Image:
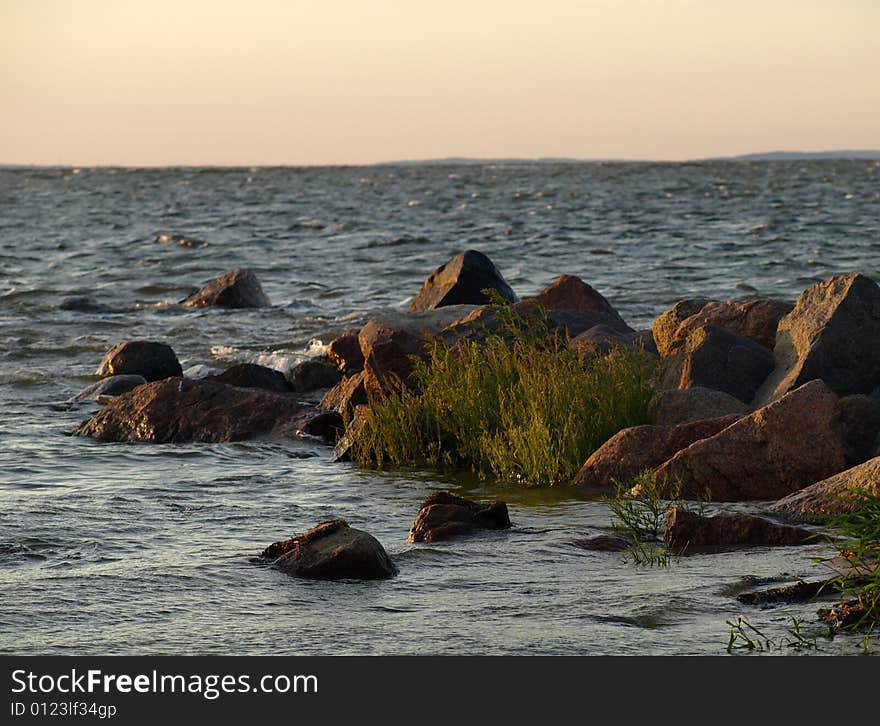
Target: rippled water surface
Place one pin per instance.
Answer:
(126, 548)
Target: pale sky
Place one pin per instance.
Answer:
(253, 82)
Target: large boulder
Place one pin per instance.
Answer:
(778, 449)
(236, 289)
(314, 374)
(179, 410)
(833, 334)
(688, 531)
(389, 355)
(154, 361)
(250, 375)
(681, 405)
(346, 394)
(344, 352)
(332, 551)
(568, 292)
(633, 450)
(666, 324)
(712, 357)
(444, 515)
(753, 318)
(461, 280)
(837, 494)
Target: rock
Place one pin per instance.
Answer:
(314, 374)
(681, 405)
(666, 325)
(81, 304)
(112, 386)
(633, 450)
(838, 494)
(444, 515)
(332, 551)
(568, 292)
(346, 394)
(342, 449)
(849, 614)
(325, 425)
(388, 355)
(832, 334)
(345, 353)
(154, 361)
(768, 454)
(601, 339)
(753, 318)
(796, 592)
(461, 280)
(178, 410)
(575, 322)
(250, 375)
(601, 543)
(857, 425)
(236, 289)
(686, 531)
(715, 358)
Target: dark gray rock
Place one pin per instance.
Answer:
(688, 531)
(250, 375)
(313, 375)
(112, 386)
(154, 361)
(461, 280)
(236, 289)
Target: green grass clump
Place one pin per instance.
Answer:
(519, 406)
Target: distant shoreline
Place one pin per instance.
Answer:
(840, 155)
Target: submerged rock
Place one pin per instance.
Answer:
(681, 405)
(154, 361)
(633, 450)
(444, 515)
(82, 304)
(796, 592)
(237, 289)
(712, 357)
(178, 410)
(461, 280)
(250, 375)
(837, 494)
(600, 543)
(768, 454)
(832, 334)
(332, 551)
(686, 531)
(112, 386)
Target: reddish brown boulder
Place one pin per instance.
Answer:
(345, 353)
(388, 355)
(345, 395)
(154, 361)
(461, 280)
(837, 494)
(676, 406)
(179, 410)
(774, 451)
(444, 515)
(832, 334)
(687, 531)
(712, 357)
(630, 452)
(666, 324)
(332, 551)
(236, 289)
(753, 318)
(568, 292)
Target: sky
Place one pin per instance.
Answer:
(266, 82)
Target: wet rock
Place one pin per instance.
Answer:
(389, 355)
(345, 353)
(154, 361)
(346, 394)
(753, 318)
(461, 280)
(832, 334)
(444, 515)
(633, 450)
(666, 325)
(328, 426)
(237, 289)
(848, 614)
(602, 339)
(838, 494)
(314, 374)
(342, 451)
(81, 304)
(112, 386)
(796, 592)
(768, 454)
(601, 543)
(712, 357)
(332, 551)
(568, 292)
(857, 425)
(178, 410)
(681, 405)
(687, 531)
(575, 322)
(250, 375)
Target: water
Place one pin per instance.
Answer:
(127, 548)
